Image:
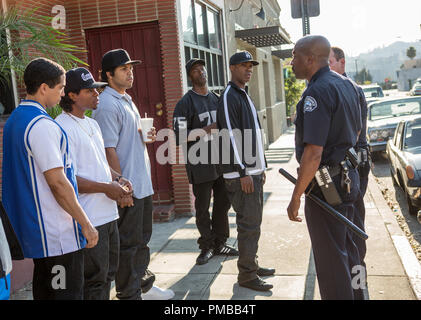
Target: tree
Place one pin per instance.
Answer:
(363, 77)
(25, 35)
(411, 52)
(293, 89)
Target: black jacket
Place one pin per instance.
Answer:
(237, 117)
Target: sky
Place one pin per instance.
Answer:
(359, 26)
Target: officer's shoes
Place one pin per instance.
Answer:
(204, 256)
(265, 272)
(256, 284)
(226, 250)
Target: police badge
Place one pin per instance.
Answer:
(309, 104)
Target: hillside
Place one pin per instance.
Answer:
(383, 62)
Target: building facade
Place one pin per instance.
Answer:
(164, 34)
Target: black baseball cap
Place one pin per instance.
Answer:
(242, 56)
(115, 58)
(193, 62)
(80, 78)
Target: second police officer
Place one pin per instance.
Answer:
(328, 123)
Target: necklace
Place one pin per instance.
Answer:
(80, 125)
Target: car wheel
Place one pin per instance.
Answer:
(412, 209)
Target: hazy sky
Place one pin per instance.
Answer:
(359, 25)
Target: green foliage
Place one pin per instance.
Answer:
(363, 77)
(24, 35)
(293, 90)
(411, 52)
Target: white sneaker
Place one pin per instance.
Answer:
(156, 293)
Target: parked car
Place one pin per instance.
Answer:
(404, 154)
(383, 117)
(372, 92)
(416, 90)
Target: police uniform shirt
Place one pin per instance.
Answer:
(195, 111)
(328, 115)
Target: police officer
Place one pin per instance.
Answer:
(337, 63)
(194, 118)
(327, 125)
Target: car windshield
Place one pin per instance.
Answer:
(413, 135)
(394, 108)
(373, 92)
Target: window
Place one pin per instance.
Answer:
(202, 39)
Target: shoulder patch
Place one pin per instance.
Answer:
(310, 104)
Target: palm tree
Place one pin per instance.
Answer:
(411, 52)
(25, 35)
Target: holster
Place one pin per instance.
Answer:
(323, 180)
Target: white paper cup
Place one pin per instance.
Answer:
(146, 124)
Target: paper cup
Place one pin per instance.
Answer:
(146, 124)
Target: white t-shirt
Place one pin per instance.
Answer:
(86, 148)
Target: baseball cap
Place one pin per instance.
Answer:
(80, 78)
(115, 58)
(242, 56)
(193, 62)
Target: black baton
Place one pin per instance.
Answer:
(329, 209)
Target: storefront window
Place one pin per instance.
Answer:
(187, 21)
(202, 39)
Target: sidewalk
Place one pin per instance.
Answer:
(393, 270)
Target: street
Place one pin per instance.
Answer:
(395, 198)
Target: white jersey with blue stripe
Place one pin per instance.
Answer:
(34, 143)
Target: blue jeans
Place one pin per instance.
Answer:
(5, 288)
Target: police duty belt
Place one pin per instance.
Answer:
(329, 209)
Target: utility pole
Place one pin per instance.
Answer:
(356, 69)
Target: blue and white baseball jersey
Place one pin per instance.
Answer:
(34, 143)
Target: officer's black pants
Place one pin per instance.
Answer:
(135, 230)
(213, 231)
(335, 252)
(249, 210)
(359, 218)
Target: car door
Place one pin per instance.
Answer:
(394, 149)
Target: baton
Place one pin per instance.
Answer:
(329, 209)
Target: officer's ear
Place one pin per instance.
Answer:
(342, 62)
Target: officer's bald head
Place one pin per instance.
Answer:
(316, 46)
(309, 55)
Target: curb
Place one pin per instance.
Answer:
(407, 256)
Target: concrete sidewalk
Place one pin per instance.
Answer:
(393, 270)
(283, 245)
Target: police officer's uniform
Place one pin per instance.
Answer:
(364, 170)
(328, 115)
(195, 111)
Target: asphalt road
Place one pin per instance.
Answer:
(396, 199)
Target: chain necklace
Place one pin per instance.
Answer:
(80, 125)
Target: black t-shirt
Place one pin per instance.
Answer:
(328, 115)
(195, 111)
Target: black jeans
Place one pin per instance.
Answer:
(59, 277)
(135, 229)
(213, 231)
(249, 210)
(101, 263)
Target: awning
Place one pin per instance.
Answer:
(264, 37)
(283, 54)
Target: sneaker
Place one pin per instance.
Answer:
(146, 282)
(265, 272)
(204, 256)
(156, 293)
(257, 284)
(226, 250)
